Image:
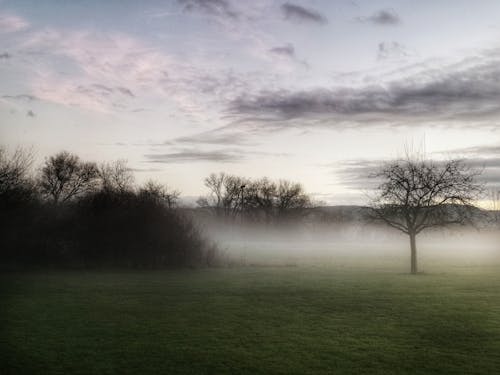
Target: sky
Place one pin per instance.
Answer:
(318, 92)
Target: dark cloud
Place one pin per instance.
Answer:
(194, 154)
(125, 91)
(97, 90)
(385, 17)
(297, 13)
(466, 93)
(23, 97)
(359, 174)
(191, 155)
(5, 56)
(491, 178)
(219, 136)
(287, 50)
(212, 7)
(485, 158)
(30, 113)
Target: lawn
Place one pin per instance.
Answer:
(251, 320)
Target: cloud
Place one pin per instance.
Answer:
(385, 17)
(11, 23)
(392, 50)
(456, 95)
(211, 7)
(5, 56)
(30, 113)
(297, 13)
(221, 155)
(110, 70)
(142, 170)
(287, 50)
(113, 72)
(125, 91)
(358, 174)
(192, 155)
(219, 136)
(478, 151)
(22, 97)
(484, 158)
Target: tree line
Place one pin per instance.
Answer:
(260, 200)
(72, 212)
(81, 214)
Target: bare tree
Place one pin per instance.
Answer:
(291, 198)
(14, 168)
(417, 194)
(260, 198)
(116, 176)
(226, 194)
(232, 195)
(161, 193)
(64, 176)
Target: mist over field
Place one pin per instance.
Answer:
(351, 245)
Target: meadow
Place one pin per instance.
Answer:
(332, 318)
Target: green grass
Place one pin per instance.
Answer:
(282, 320)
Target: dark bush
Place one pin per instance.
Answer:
(109, 224)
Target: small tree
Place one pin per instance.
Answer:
(161, 194)
(116, 176)
(16, 183)
(417, 194)
(226, 194)
(64, 176)
(291, 199)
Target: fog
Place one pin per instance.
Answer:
(352, 245)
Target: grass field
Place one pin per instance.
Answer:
(252, 320)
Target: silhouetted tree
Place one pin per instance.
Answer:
(418, 194)
(159, 193)
(116, 176)
(16, 184)
(19, 204)
(291, 199)
(260, 198)
(225, 194)
(231, 195)
(64, 176)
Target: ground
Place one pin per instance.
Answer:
(252, 320)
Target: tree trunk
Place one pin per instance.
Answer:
(413, 246)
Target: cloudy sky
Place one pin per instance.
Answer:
(312, 91)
